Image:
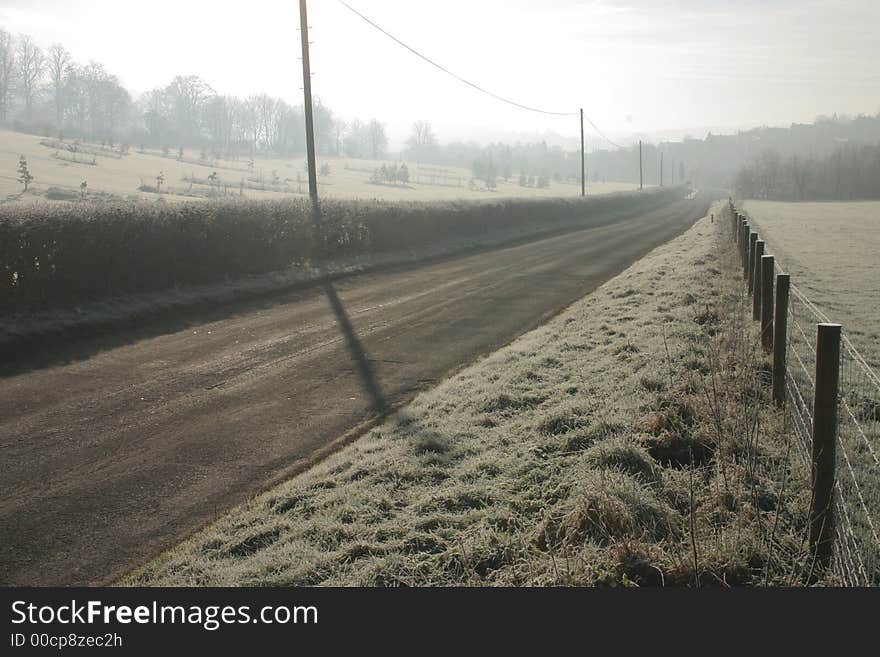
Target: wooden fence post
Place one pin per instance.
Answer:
(756, 299)
(745, 250)
(824, 442)
(766, 282)
(753, 237)
(780, 339)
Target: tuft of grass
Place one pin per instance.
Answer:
(677, 449)
(254, 543)
(559, 423)
(504, 403)
(610, 505)
(652, 383)
(625, 454)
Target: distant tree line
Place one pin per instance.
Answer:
(717, 159)
(850, 172)
(47, 89)
(493, 161)
(46, 92)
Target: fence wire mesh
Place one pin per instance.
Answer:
(858, 469)
(857, 493)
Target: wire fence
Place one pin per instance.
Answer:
(856, 501)
(857, 485)
(858, 470)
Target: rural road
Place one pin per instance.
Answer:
(109, 459)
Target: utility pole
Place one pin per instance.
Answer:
(583, 165)
(672, 172)
(661, 168)
(307, 105)
(641, 176)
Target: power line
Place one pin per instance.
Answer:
(458, 77)
(602, 134)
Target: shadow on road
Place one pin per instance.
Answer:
(378, 403)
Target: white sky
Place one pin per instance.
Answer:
(636, 66)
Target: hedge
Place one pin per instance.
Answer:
(64, 254)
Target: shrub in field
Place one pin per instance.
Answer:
(58, 194)
(64, 254)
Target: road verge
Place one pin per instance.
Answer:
(629, 441)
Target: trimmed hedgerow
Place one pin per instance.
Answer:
(57, 255)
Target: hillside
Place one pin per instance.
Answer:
(59, 168)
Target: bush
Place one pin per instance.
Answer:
(57, 255)
(58, 194)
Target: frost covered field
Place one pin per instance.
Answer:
(831, 251)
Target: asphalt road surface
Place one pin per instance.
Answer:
(109, 458)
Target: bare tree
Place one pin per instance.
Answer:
(799, 173)
(105, 100)
(339, 129)
(266, 108)
(218, 121)
(325, 136)
(422, 134)
(770, 167)
(7, 71)
(155, 112)
(187, 96)
(290, 136)
(353, 141)
(378, 138)
(243, 121)
(422, 140)
(251, 119)
(837, 164)
(31, 63)
(115, 101)
(59, 65)
(76, 99)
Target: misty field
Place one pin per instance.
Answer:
(831, 250)
(59, 168)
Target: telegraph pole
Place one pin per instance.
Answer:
(307, 105)
(661, 168)
(583, 165)
(641, 176)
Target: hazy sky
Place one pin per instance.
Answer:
(636, 66)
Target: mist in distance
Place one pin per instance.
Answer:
(639, 68)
